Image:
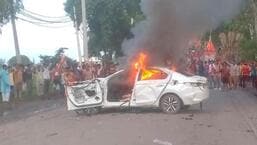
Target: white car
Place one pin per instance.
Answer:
(153, 87)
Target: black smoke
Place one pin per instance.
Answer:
(171, 24)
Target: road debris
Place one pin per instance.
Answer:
(160, 142)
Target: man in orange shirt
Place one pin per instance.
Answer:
(18, 81)
(245, 74)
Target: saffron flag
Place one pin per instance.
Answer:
(210, 48)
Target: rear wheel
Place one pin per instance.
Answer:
(170, 103)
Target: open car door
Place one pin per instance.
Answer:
(84, 95)
(149, 86)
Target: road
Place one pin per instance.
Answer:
(228, 118)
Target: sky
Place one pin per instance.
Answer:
(37, 40)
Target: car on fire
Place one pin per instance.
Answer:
(152, 87)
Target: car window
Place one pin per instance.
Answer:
(152, 74)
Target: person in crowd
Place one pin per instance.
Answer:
(77, 71)
(11, 77)
(113, 68)
(18, 83)
(245, 74)
(87, 73)
(99, 70)
(5, 87)
(201, 68)
(233, 77)
(27, 77)
(253, 74)
(206, 69)
(217, 76)
(69, 76)
(225, 75)
(237, 75)
(46, 77)
(56, 78)
(39, 81)
(211, 72)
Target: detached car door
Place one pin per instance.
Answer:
(84, 94)
(149, 85)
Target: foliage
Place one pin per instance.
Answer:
(248, 50)
(51, 61)
(245, 25)
(109, 22)
(6, 9)
(24, 60)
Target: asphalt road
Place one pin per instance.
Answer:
(228, 118)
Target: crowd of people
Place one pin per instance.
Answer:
(225, 75)
(44, 81)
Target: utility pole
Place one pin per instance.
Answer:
(15, 36)
(84, 23)
(77, 36)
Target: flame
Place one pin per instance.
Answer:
(140, 65)
(153, 74)
(141, 62)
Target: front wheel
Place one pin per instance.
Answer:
(170, 103)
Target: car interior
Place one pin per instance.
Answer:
(120, 87)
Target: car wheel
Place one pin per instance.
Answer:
(170, 103)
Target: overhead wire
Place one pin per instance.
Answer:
(33, 13)
(42, 24)
(45, 20)
(42, 20)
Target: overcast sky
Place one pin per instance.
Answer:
(35, 40)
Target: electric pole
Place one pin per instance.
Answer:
(15, 36)
(77, 36)
(84, 23)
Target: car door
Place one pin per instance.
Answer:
(84, 94)
(149, 85)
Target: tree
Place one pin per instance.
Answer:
(24, 61)
(6, 9)
(51, 61)
(109, 22)
(238, 37)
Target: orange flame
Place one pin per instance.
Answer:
(140, 63)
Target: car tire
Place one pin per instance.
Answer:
(170, 104)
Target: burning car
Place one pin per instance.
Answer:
(147, 87)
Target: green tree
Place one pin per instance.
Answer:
(6, 9)
(109, 22)
(51, 61)
(245, 24)
(24, 60)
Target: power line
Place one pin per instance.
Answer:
(45, 20)
(33, 13)
(41, 24)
